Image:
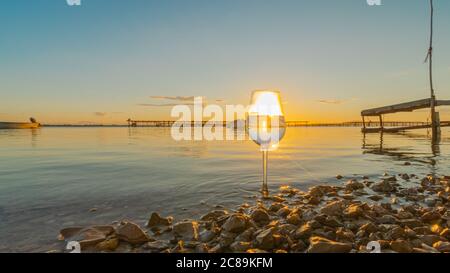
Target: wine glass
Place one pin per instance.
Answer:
(266, 125)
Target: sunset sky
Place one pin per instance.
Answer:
(109, 60)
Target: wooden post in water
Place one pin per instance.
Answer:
(381, 122)
(435, 123)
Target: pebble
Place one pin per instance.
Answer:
(382, 186)
(260, 216)
(132, 233)
(236, 223)
(187, 230)
(325, 219)
(323, 245)
(157, 220)
(401, 246)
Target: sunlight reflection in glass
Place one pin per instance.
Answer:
(266, 125)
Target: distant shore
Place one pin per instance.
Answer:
(400, 213)
(289, 124)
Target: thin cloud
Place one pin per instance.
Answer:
(179, 98)
(167, 104)
(100, 114)
(336, 101)
(331, 101)
(182, 100)
(159, 105)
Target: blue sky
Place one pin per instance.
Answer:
(99, 61)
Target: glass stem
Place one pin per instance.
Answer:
(265, 189)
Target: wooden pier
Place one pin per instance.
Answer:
(402, 107)
(430, 103)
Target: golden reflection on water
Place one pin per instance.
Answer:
(56, 175)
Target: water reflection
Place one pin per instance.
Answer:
(393, 150)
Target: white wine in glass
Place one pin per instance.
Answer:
(266, 125)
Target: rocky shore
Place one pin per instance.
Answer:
(402, 213)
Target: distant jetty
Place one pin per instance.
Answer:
(242, 123)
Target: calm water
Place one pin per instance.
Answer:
(50, 178)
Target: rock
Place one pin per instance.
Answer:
(429, 249)
(436, 229)
(256, 251)
(334, 208)
(286, 229)
(369, 228)
(407, 163)
(445, 233)
(308, 214)
(390, 179)
(207, 235)
(215, 249)
(157, 245)
(376, 197)
(283, 212)
(314, 200)
(323, 245)
(157, 220)
(387, 219)
(246, 236)
(236, 223)
(395, 233)
(410, 233)
(298, 246)
(227, 238)
(442, 246)
(187, 230)
(395, 201)
(265, 239)
(431, 216)
(405, 176)
(317, 191)
(131, 233)
(354, 185)
(412, 223)
(346, 235)
(288, 190)
(240, 246)
(401, 246)
(275, 207)
(214, 215)
(109, 244)
(304, 231)
(353, 211)
(293, 219)
(87, 237)
(431, 202)
(332, 221)
(404, 215)
(69, 232)
(260, 216)
(339, 177)
(430, 240)
(383, 186)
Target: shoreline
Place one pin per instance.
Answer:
(402, 212)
